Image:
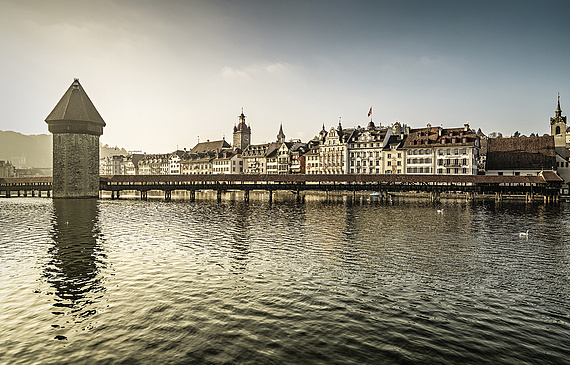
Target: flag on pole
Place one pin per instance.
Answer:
(370, 112)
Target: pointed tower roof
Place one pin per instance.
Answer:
(75, 105)
(281, 135)
(558, 118)
(241, 125)
(75, 113)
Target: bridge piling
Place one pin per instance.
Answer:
(498, 197)
(434, 196)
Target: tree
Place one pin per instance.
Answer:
(516, 134)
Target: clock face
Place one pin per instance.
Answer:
(245, 138)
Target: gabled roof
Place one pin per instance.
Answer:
(437, 136)
(550, 176)
(376, 134)
(393, 140)
(272, 148)
(75, 106)
(255, 150)
(532, 153)
(208, 146)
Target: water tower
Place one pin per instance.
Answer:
(76, 126)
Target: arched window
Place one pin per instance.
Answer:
(558, 130)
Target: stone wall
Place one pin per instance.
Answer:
(75, 165)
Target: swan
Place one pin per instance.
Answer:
(524, 234)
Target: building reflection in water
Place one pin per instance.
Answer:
(76, 258)
(241, 236)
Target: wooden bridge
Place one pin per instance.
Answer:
(545, 185)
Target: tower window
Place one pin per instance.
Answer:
(558, 130)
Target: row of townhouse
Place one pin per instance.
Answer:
(371, 150)
(395, 150)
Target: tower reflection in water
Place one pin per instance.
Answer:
(76, 259)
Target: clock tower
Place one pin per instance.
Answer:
(558, 130)
(242, 133)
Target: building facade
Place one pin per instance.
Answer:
(437, 150)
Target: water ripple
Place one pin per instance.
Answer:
(325, 281)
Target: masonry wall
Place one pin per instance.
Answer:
(75, 165)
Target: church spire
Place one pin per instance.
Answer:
(558, 110)
(281, 135)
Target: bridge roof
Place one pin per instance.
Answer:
(545, 178)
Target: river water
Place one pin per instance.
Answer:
(322, 281)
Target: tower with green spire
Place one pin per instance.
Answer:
(76, 127)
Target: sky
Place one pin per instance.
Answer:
(167, 74)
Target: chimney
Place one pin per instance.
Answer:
(429, 125)
(466, 127)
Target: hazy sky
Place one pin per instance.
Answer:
(163, 73)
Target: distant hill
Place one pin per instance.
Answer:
(36, 150)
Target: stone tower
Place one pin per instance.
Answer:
(242, 134)
(558, 130)
(76, 126)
